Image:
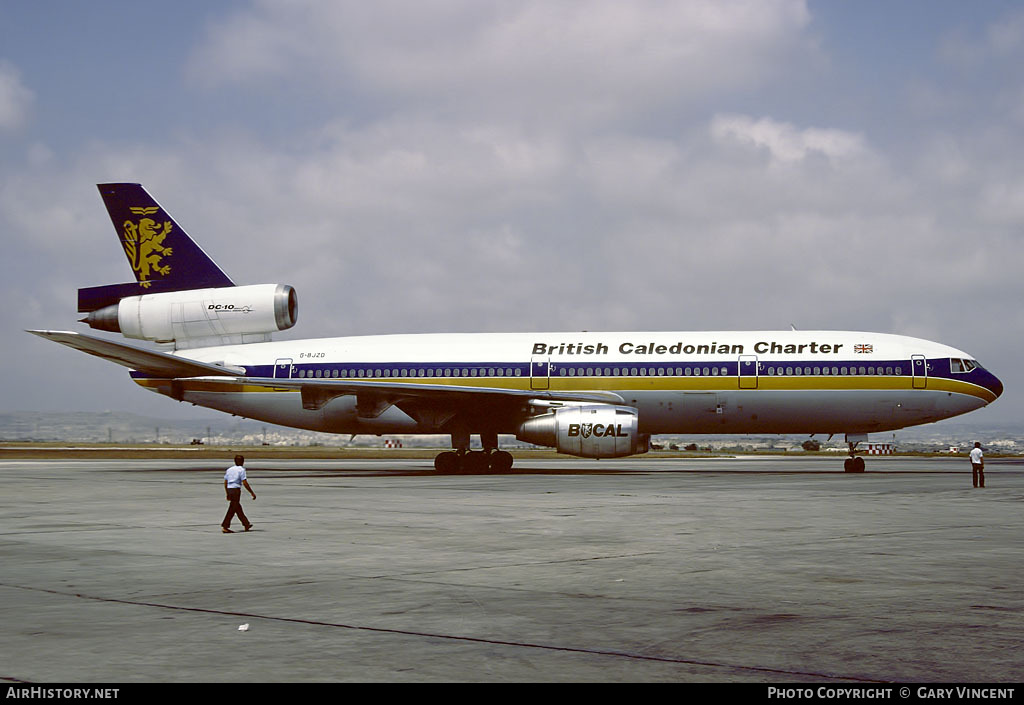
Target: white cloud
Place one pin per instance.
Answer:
(785, 142)
(15, 99)
(552, 61)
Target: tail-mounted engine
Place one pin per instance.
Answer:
(201, 317)
(597, 431)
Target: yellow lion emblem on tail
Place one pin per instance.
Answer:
(143, 243)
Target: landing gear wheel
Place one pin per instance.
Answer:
(855, 464)
(476, 462)
(501, 461)
(449, 462)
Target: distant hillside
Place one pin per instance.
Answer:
(221, 429)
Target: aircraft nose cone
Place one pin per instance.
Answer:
(996, 386)
(990, 382)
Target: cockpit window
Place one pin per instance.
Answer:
(958, 366)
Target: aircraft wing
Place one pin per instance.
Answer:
(374, 396)
(150, 362)
(316, 393)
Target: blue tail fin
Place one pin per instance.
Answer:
(162, 255)
(158, 249)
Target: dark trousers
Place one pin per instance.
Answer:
(235, 495)
(978, 473)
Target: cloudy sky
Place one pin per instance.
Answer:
(465, 165)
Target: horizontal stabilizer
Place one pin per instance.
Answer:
(150, 362)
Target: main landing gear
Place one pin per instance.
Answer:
(854, 463)
(472, 462)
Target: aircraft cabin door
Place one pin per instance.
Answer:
(919, 371)
(283, 368)
(748, 372)
(540, 373)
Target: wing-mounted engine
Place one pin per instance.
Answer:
(594, 431)
(202, 317)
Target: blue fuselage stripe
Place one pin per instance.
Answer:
(938, 368)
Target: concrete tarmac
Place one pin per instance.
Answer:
(644, 569)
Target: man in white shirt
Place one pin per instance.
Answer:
(234, 479)
(978, 465)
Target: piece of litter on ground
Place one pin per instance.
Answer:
(243, 628)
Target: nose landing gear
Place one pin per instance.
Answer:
(854, 463)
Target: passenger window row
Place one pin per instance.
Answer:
(617, 371)
(418, 372)
(833, 371)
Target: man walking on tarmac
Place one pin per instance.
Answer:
(234, 479)
(978, 465)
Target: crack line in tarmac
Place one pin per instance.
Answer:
(452, 637)
(585, 559)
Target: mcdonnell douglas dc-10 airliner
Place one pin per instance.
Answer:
(593, 395)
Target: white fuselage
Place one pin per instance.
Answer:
(688, 382)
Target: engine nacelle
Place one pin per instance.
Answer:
(207, 316)
(597, 431)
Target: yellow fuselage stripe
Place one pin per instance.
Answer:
(626, 384)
